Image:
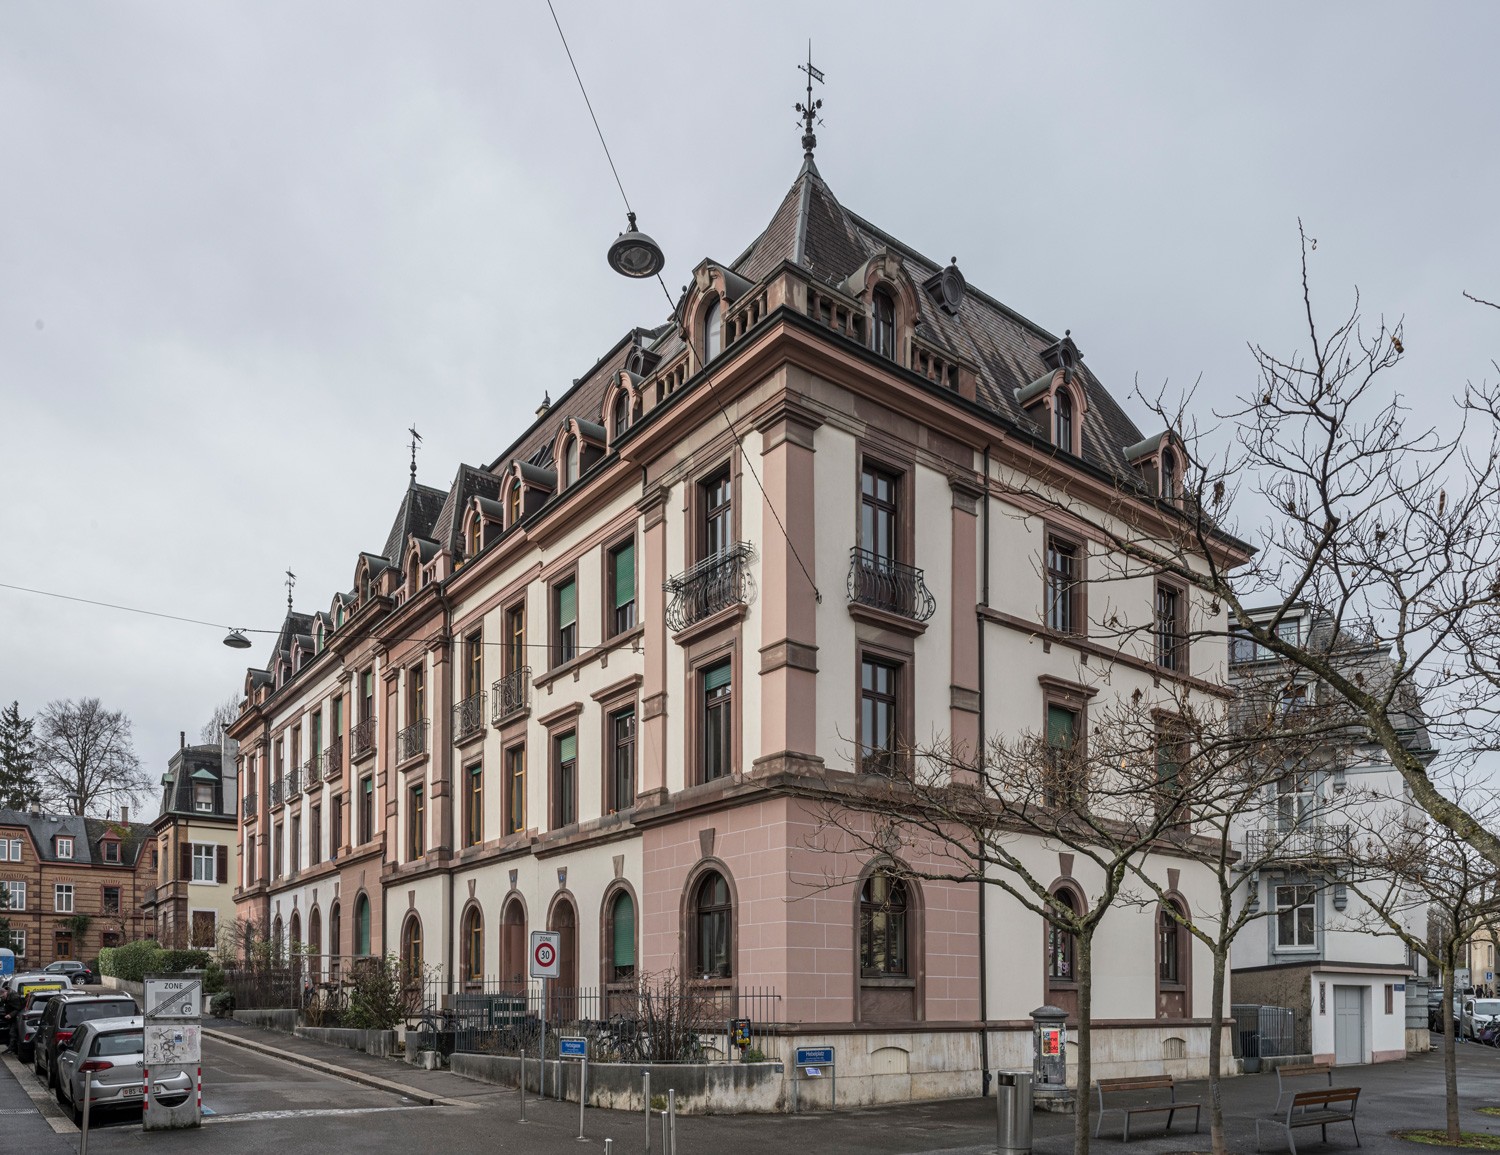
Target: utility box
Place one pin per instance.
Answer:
(1049, 1062)
(172, 1058)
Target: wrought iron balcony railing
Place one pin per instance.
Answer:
(278, 792)
(512, 694)
(249, 804)
(312, 770)
(1315, 843)
(411, 741)
(715, 583)
(362, 739)
(333, 760)
(468, 717)
(293, 784)
(885, 584)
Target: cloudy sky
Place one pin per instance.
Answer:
(244, 245)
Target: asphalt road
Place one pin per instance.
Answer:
(263, 1103)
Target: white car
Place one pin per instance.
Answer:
(108, 1053)
(1475, 1015)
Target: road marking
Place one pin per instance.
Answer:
(45, 1105)
(312, 1113)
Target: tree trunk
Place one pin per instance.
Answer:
(1450, 1051)
(1084, 945)
(1215, 1050)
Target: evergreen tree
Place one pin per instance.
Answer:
(18, 784)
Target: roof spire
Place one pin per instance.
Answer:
(291, 580)
(416, 439)
(809, 110)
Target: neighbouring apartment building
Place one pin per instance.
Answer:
(1319, 950)
(197, 847)
(73, 885)
(602, 683)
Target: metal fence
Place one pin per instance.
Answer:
(665, 1022)
(1264, 1032)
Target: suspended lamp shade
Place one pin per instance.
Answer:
(634, 254)
(237, 641)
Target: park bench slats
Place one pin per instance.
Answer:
(1111, 1090)
(1314, 1109)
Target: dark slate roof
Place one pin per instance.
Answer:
(418, 513)
(133, 836)
(85, 833)
(188, 764)
(470, 481)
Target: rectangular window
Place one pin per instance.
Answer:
(316, 746)
(1390, 998)
(296, 748)
(1295, 801)
(1296, 916)
(280, 757)
(565, 780)
(621, 584)
(879, 494)
(203, 797)
(18, 943)
(278, 853)
(877, 717)
(565, 617)
(204, 862)
(1061, 784)
(718, 721)
(64, 847)
(10, 850)
(474, 667)
(336, 721)
(62, 898)
(366, 809)
(622, 761)
(416, 823)
(716, 498)
(1062, 592)
(112, 849)
(295, 849)
(474, 806)
(336, 824)
(515, 790)
(515, 637)
(111, 900)
(416, 694)
(16, 896)
(367, 694)
(315, 836)
(1171, 762)
(1170, 653)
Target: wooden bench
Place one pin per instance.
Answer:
(1153, 1104)
(1314, 1109)
(1321, 1072)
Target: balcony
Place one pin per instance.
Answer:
(278, 792)
(333, 760)
(293, 784)
(411, 742)
(468, 718)
(512, 695)
(888, 585)
(312, 770)
(248, 805)
(1317, 843)
(362, 739)
(714, 584)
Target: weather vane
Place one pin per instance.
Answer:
(416, 439)
(291, 580)
(809, 110)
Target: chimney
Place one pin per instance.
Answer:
(124, 814)
(182, 739)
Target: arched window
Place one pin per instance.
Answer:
(1062, 950)
(411, 575)
(713, 333)
(278, 943)
(473, 945)
(513, 504)
(883, 331)
(882, 926)
(621, 413)
(1062, 420)
(411, 949)
(569, 465)
(362, 925)
(1168, 475)
(565, 924)
(294, 935)
(1173, 961)
(513, 943)
(335, 943)
(338, 617)
(476, 536)
(713, 928)
(621, 930)
(1169, 956)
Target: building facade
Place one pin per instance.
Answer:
(605, 684)
(73, 885)
(197, 848)
(1319, 949)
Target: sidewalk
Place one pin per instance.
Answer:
(1395, 1096)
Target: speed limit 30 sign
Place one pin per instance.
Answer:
(545, 963)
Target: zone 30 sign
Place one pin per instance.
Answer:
(545, 950)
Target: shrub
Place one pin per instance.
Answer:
(222, 1005)
(107, 961)
(135, 960)
(213, 978)
(375, 1002)
(183, 960)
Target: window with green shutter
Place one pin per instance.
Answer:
(622, 936)
(622, 585)
(565, 614)
(565, 785)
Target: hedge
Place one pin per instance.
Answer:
(135, 960)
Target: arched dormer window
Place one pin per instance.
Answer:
(1062, 420)
(413, 576)
(338, 616)
(474, 539)
(620, 414)
(513, 504)
(713, 331)
(1171, 477)
(883, 322)
(568, 466)
(318, 639)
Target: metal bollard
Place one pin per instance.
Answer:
(583, 1092)
(609, 1146)
(559, 1092)
(523, 1084)
(666, 1141)
(646, 1099)
(88, 1096)
(672, 1115)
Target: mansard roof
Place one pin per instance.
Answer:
(417, 514)
(469, 482)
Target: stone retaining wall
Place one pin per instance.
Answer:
(702, 1089)
(381, 1044)
(285, 1021)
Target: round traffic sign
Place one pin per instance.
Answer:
(545, 954)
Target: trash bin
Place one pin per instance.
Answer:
(1013, 1113)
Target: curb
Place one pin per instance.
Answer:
(375, 1081)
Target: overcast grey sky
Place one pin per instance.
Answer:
(245, 245)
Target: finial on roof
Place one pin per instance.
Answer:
(291, 580)
(541, 410)
(809, 110)
(416, 439)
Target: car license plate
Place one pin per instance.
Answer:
(131, 1093)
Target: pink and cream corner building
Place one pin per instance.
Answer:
(602, 684)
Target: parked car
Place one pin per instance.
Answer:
(78, 972)
(1475, 1014)
(108, 1054)
(15, 991)
(23, 1026)
(68, 1011)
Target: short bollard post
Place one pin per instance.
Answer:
(83, 1135)
(523, 1084)
(666, 1141)
(646, 1099)
(559, 1092)
(583, 1092)
(609, 1146)
(672, 1115)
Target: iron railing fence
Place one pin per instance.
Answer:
(1262, 1032)
(717, 582)
(333, 760)
(293, 784)
(411, 741)
(886, 584)
(468, 717)
(1317, 842)
(278, 792)
(362, 739)
(312, 770)
(512, 694)
(250, 804)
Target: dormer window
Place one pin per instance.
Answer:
(883, 330)
(569, 462)
(111, 850)
(513, 505)
(318, 639)
(620, 418)
(338, 616)
(476, 536)
(412, 578)
(713, 331)
(1169, 475)
(64, 846)
(1062, 420)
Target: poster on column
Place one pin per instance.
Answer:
(172, 1044)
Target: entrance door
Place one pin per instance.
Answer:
(1348, 1025)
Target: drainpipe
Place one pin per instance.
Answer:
(441, 591)
(984, 601)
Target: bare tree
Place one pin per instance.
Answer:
(85, 761)
(221, 719)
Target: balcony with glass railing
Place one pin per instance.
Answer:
(512, 695)
(716, 583)
(882, 583)
(468, 718)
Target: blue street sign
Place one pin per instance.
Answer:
(814, 1056)
(573, 1048)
